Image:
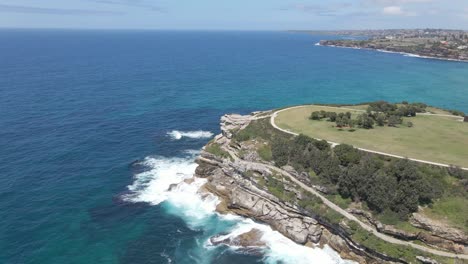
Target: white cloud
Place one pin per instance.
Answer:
(393, 10)
(397, 11)
(394, 2)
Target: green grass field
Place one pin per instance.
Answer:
(432, 138)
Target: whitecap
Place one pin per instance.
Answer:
(152, 186)
(176, 134)
(280, 249)
(170, 180)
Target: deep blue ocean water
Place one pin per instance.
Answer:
(85, 114)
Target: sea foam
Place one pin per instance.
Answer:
(280, 249)
(176, 134)
(170, 180)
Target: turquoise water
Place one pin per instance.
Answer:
(86, 114)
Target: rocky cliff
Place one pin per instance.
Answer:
(240, 184)
(237, 186)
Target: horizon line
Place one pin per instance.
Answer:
(221, 29)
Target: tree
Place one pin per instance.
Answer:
(339, 122)
(412, 110)
(332, 116)
(382, 106)
(280, 151)
(407, 195)
(380, 197)
(365, 121)
(347, 154)
(329, 168)
(346, 121)
(380, 119)
(321, 144)
(315, 115)
(394, 120)
(323, 114)
(357, 180)
(303, 140)
(406, 200)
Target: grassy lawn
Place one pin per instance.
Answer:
(432, 138)
(452, 210)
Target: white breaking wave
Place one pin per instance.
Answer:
(171, 180)
(280, 249)
(152, 186)
(176, 134)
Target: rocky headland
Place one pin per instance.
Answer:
(237, 174)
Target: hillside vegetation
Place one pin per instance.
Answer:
(442, 139)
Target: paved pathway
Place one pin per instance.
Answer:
(343, 212)
(272, 121)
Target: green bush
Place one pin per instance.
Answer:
(216, 150)
(265, 152)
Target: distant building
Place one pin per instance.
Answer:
(462, 47)
(465, 119)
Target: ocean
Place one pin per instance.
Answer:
(96, 125)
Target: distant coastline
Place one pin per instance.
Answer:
(345, 44)
(406, 54)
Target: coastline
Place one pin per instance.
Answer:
(405, 54)
(237, 176)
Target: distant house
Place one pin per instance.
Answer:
(462, 47)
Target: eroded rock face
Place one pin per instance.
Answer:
(237, 186)
(233, 122)
(386, 229)
(298, 227)
(252, 238)
(439, 229)
(242, 197)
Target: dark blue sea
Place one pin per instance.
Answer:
(95, 126)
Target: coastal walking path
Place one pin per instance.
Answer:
(333, 144)
(343, 212)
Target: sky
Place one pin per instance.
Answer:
(234, 14)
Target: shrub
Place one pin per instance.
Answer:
(265, 152)
(365, 121)
(332, 116)
(216, 150)
(347, 154)
(394, 120)
(380, 119)
(280, 152)
(315, 116)
(457, 172)
(457, 113)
